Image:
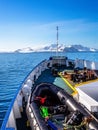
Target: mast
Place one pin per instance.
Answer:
(57, 39)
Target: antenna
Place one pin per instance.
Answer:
(57, 39)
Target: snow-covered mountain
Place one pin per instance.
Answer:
(53, 47)
(79, 48)
(24, 50)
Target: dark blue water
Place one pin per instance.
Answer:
(15, 67)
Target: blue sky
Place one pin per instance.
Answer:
(32, 23)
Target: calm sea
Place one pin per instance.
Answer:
(14, 67)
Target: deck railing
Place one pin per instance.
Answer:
(9, 120)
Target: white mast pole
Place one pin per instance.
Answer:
(57, 39)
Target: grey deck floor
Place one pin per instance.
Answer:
(46, 76)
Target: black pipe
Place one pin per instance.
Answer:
(73, 105)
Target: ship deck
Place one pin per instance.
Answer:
(87, 89)
(62, 82)
(47, 76)
(22, 123)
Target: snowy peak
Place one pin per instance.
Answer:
(53, 47)
(79, 48)
(24, 50)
